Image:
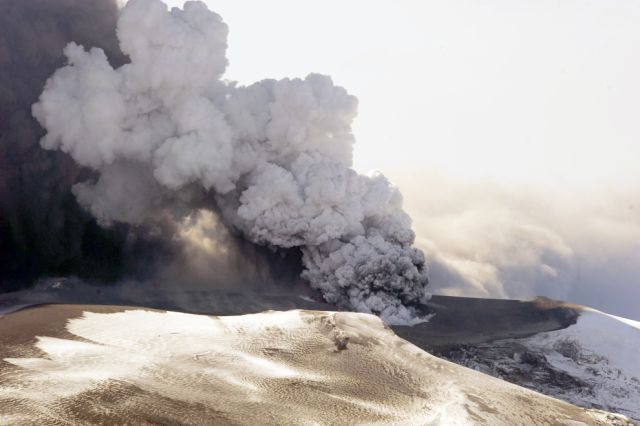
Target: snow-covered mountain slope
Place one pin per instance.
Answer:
(592, 363)
(64, 364)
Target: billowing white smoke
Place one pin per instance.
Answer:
(276, 154)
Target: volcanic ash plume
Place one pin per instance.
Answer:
(274, 157)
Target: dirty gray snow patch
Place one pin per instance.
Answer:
(593, 363)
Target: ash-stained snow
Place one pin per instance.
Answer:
(297, 367)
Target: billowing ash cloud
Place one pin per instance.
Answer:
(167, 135)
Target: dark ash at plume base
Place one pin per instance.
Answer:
(43, 230)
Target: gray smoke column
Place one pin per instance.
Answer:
(274, 157)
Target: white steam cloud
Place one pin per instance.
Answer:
(486, 239)
(275, 155)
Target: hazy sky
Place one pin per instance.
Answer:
(512, 128)
(526, 90)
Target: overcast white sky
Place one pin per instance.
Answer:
(513, 128)
(531, 90)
